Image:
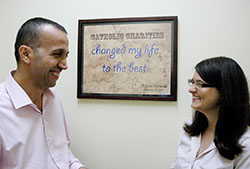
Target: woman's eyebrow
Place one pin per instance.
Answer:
(200, 81)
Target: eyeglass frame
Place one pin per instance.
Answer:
(199, 85)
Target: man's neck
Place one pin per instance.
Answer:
(35, 93)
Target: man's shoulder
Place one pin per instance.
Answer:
(2, 89)
(5, 100)
(53, 92)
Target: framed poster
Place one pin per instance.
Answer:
(128, 58)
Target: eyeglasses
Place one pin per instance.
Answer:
(198, 84)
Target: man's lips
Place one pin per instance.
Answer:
(55, 73)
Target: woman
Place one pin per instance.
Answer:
(218, 136)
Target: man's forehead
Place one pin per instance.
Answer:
(48, 29)
(51, 34)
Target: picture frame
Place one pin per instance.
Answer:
(128, 58)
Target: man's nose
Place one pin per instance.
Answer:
(63, 64)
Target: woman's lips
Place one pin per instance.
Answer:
(196, 98)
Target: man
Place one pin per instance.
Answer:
(33, 132)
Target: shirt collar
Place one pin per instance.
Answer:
(195, 146)
(18, 96)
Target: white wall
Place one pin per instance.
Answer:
(120, 134)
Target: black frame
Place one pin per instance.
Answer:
(80, 84)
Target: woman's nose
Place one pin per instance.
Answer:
(192, 89)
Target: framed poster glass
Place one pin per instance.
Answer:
(128, 58)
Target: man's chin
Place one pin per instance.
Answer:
(52, 84)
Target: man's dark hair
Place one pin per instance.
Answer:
(29, 33)
(234, 115)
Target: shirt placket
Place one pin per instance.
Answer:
(49, 142)
(195, 145)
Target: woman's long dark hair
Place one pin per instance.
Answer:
(234, 114)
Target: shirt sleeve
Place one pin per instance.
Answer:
(173, 166)
(181, 136)
(74, 163)
(0, 149)
(243, 160)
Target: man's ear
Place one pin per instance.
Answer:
(25, 53)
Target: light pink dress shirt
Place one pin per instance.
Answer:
(28, 138)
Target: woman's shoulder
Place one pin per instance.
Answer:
(245, 138)
(184, 136)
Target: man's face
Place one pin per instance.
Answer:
(49, 58)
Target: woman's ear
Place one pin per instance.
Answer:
(25, 53)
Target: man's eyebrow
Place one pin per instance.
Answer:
(61, 51)
(58, 50)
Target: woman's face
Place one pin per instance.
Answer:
(205, 99)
